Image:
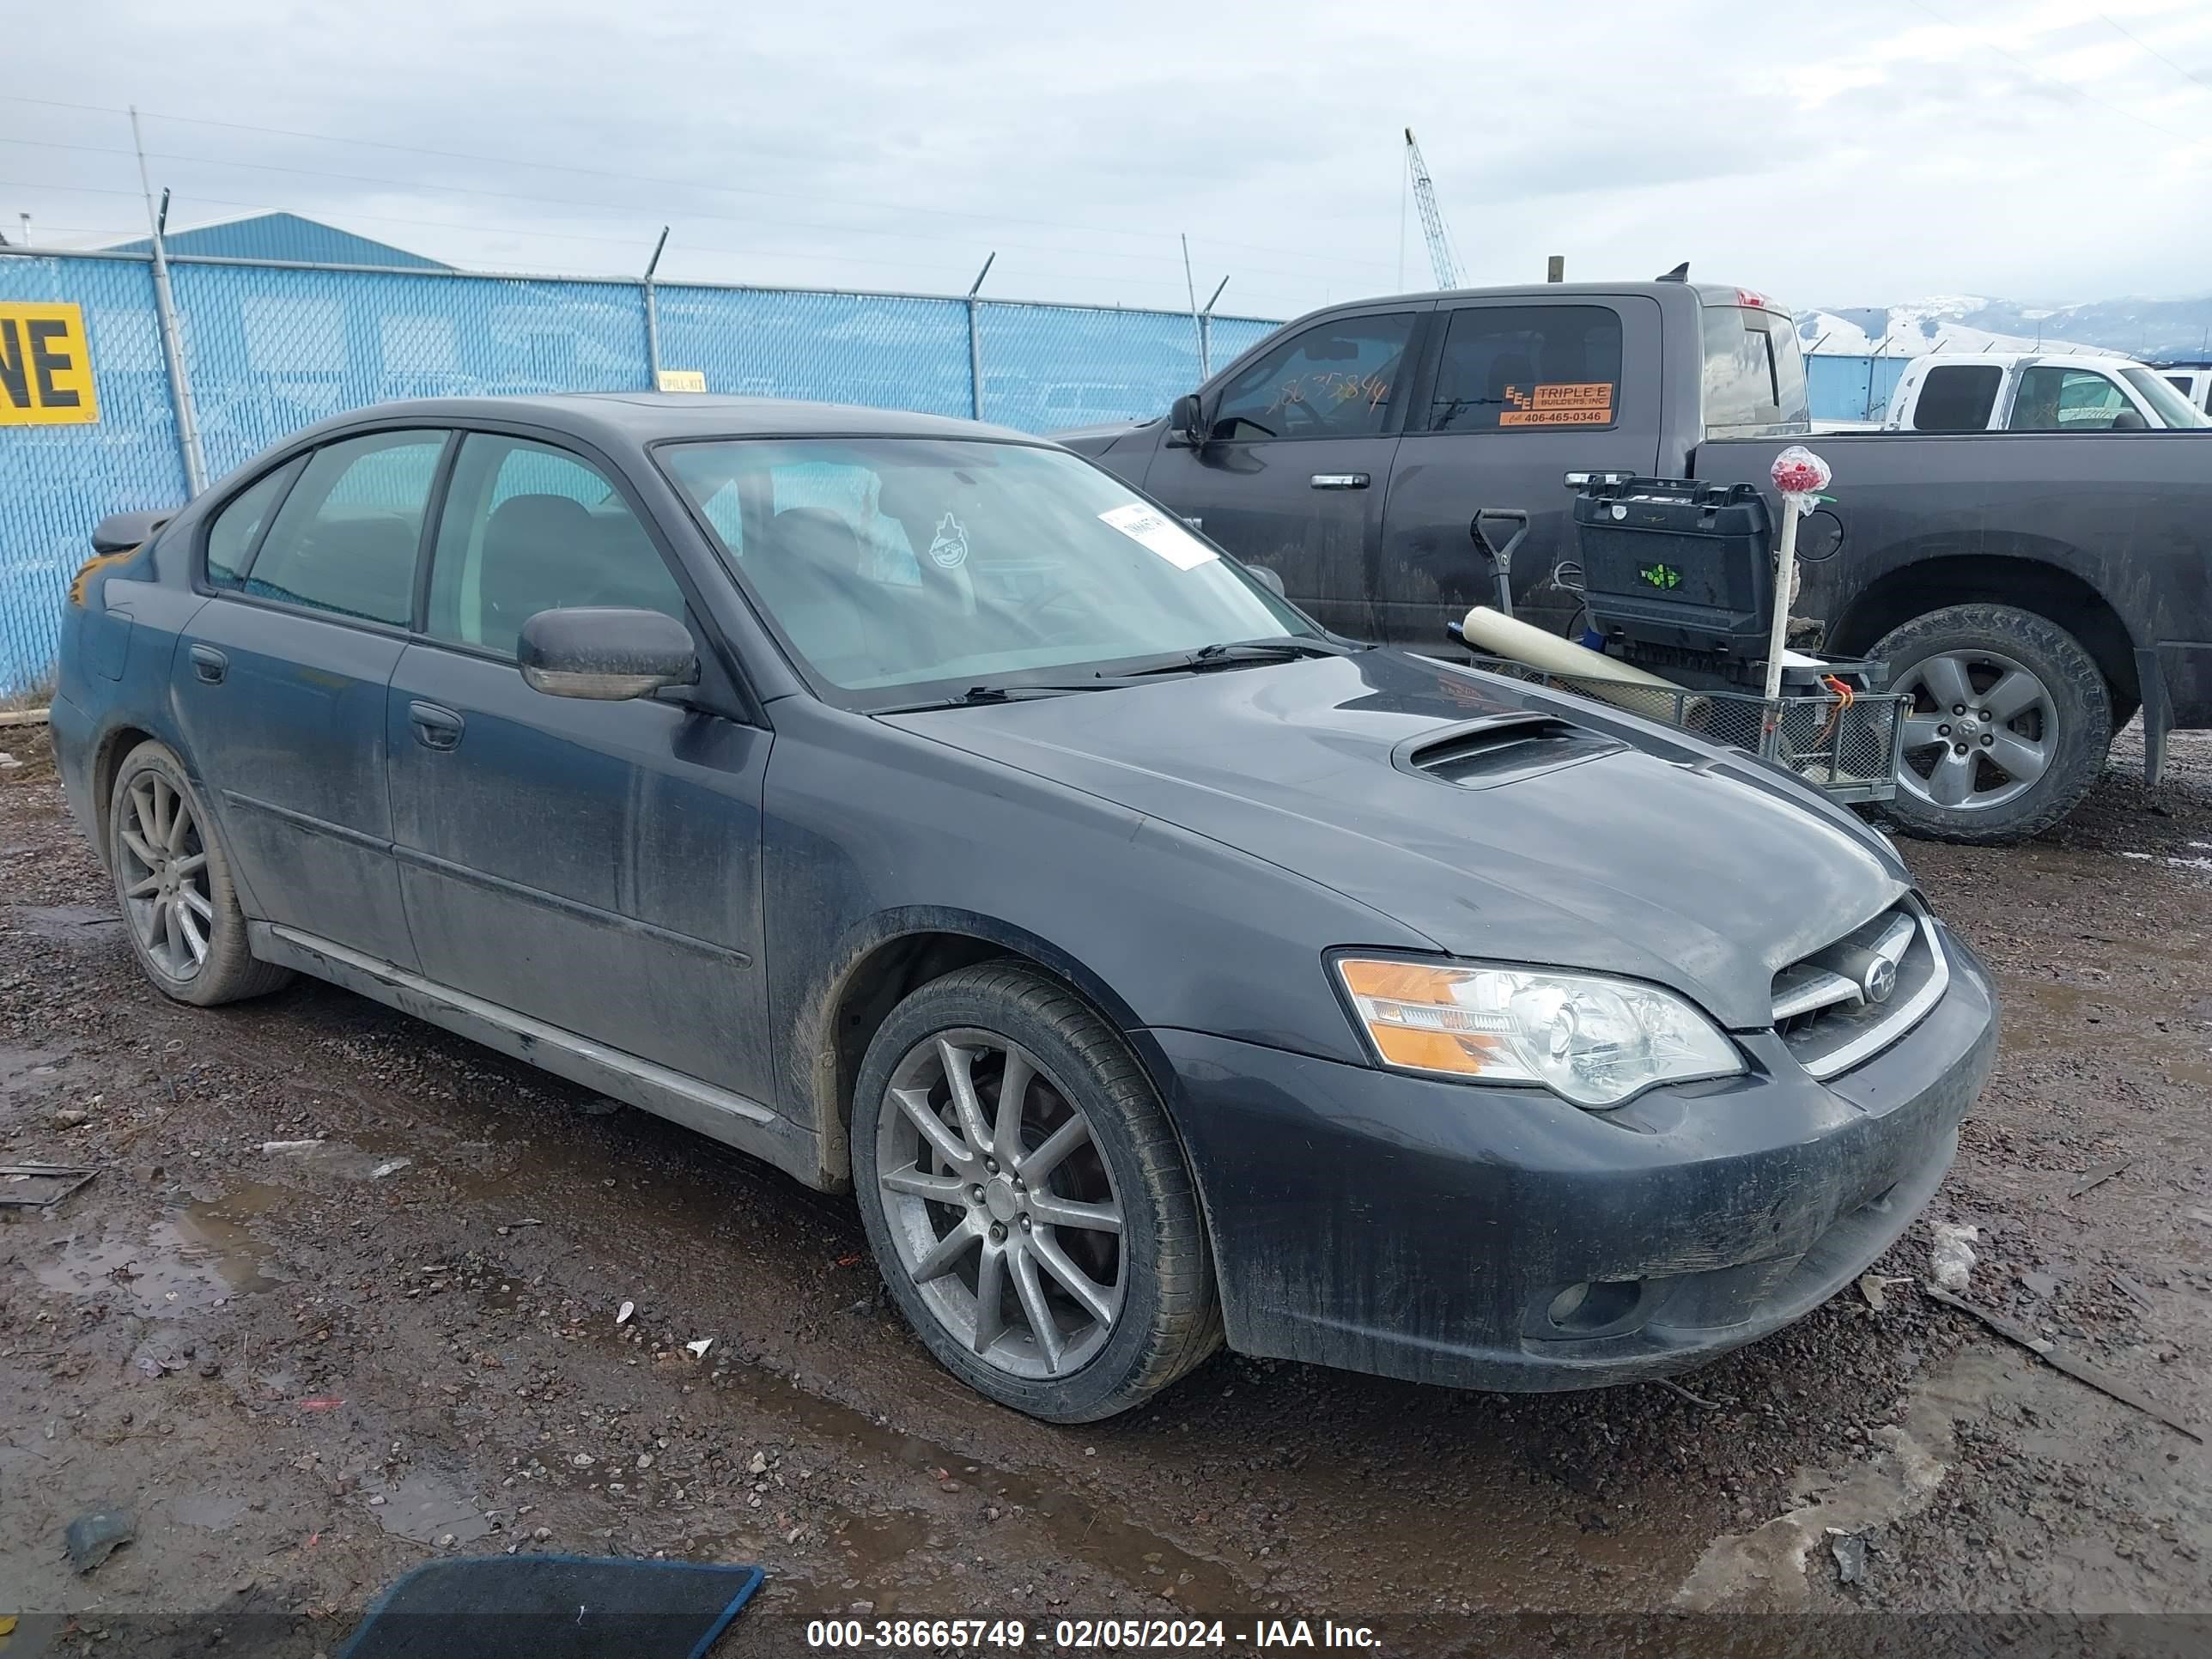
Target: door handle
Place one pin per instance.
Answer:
(209, 664)
(435, 728)
(1339, 481)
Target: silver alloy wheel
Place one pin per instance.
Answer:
(1982, 730)
(162, 864)
(1001, 1207)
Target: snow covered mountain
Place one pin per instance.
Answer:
(2135, 327)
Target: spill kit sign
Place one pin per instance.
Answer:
(45, 367)
(1564, 403)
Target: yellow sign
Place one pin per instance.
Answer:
(45, 367)
(682, 379)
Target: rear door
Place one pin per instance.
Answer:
(1296, 462)
(279, 681)
(595, 865)
(1520, 393)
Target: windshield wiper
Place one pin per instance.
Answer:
(1232, 653)
(975, 695)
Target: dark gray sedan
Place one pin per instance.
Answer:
(912, 804)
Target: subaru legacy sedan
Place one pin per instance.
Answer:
(912, 804)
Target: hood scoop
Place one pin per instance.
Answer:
(1503, 748)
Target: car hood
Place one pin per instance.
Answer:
(1662, 859)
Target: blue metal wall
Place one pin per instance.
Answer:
(1851, 388)
(270, 348)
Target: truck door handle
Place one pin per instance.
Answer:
(435, 728)
(1339, 481)
(209, 664)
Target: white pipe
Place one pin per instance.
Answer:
(1505, 636)
(1785, 579)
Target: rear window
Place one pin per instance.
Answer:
(1519, 367)
(1754, 372)
(1957, 397)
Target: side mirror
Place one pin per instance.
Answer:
(2130, 420)
(1270, 579)
(607, 655)
(1183, 418)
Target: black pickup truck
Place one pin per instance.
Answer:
(2032, 590)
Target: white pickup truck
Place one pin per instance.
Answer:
(2030, 392)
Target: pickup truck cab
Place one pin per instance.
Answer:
(2028, 392)
(2032, 589)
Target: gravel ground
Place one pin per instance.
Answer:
(306, 1371)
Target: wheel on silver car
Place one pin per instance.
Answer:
(2010, 722)
(1026, 1198)
(173, 885)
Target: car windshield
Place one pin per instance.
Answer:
(896, 566)
(2159, 393)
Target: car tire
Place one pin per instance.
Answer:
(2063, 725)
(173, 887)
(1154, 1276)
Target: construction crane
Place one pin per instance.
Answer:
(1441, 258)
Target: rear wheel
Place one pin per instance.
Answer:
(1026, 1198)
(2010, 722)
(173, 886)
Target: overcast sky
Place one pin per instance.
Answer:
(1833, 154)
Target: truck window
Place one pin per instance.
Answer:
(1957, 397)
(1519, 367)
(1755, 371)
(1336, 379)
(2055, 399)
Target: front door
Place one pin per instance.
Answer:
(1296, 462)
(1524, 392)
(595, 865)
(279, 682)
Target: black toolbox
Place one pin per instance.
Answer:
(1679, 571)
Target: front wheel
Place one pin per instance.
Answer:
(1026, 1200)
(2011, 720)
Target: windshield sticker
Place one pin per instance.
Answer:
(1160, 534)
(948, 549)
(1563, 403)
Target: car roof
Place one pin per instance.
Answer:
(644, 417)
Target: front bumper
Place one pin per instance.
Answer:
(1435, 1230)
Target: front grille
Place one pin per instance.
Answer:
(1850, 1000)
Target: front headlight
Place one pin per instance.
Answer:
(1594, 1041)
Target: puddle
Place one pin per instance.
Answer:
(884, 1551)
(191, 1261)
(425, 1509)
(27, 1071)
(1764, 1570)
(64, 921)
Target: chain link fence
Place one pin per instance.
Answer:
(269, 348)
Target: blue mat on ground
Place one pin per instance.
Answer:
(554, 1607)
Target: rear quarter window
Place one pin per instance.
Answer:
(1754, 376)
(1957, 397)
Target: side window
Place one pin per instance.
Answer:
(1339, 379)
(344, 540)
(1957, 397)
(528, 528)
(1520, 367)
(2055, 399)
(236, 529)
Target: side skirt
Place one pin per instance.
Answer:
(716, 1113)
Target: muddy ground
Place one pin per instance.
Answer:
(307, 1371)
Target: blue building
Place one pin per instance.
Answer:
(286, 236)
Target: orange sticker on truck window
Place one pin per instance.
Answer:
(1563, 403)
